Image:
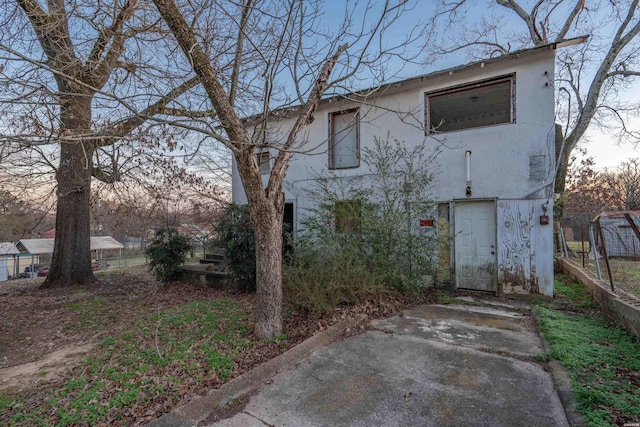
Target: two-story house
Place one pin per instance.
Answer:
(494, 121)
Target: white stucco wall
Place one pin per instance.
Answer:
(499, 160)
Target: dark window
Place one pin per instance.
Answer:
(348, 216)
(480, 104)
(265, 162)
(344, 139)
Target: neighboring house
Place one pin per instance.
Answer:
(494, 121)
(620, 230)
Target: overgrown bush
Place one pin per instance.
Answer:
(362, 236)
(167, 252)
(236, 235)
(317, 282)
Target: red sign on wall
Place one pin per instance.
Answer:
(426, 223)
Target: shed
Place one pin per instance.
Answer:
(621, 232)
(6, 249)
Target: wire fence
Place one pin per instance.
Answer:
(587, 245)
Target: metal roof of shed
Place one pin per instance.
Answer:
(618, 214)
(45, 246)
(8, 248)
(105, 242)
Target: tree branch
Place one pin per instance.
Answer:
(102, 70)
(53, 34)
(205, 71)
(106, 34)
(246, 9)
(580, 4)
(126, 126)
(528, 19)
(304, 118)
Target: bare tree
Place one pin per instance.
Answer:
(78, 78)
(589, 191)
(277, 60)
(625, 184)
(591, 76)
(20, 218)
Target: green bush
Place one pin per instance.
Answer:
(167, 252)
(360, 238)
(318, 282)
(236, 235)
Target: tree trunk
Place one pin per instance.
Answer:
(71, 261)
(562, 160)
(267, 222)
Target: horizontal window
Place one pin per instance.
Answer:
(470, 106)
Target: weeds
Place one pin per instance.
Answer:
(603, 361)
(360, 238)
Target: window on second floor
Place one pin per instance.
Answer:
(486, 103)
(264, 161)
(344, 139)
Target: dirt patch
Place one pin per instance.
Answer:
(47, 337)
(26, 375)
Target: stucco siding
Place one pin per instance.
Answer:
(511, 163)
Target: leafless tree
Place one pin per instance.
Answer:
(590, 192)
(78, 79)
(591, 76)
(21, 218)
(624, 182)
(279, 58)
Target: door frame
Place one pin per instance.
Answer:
(454, 231)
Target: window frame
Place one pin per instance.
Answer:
(260, 159)
(465, 87)
(331, 115)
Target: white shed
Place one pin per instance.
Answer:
(6, 249)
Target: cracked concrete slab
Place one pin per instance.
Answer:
(478, 327)
(428, 367)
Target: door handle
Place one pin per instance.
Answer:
(493, 253)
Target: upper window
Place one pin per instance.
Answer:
(265, 162)
(344, 139)
(479, 104)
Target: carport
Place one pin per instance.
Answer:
(45, 246)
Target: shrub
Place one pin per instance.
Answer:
(168, 251)
(360, 238)
(317, 282)
(236, 235)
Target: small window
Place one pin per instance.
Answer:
(265, 162)
(480, 104)
(348, 216)
(344, 139)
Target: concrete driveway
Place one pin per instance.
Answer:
(471, 364)
(435, 365)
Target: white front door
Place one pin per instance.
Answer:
(475, 245)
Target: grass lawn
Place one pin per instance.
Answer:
(602, 360)
(129, 349)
